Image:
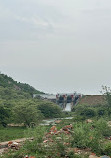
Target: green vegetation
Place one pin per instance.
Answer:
(18, 106)
(9, 87)
(83, 111)
(89, 131)
(30, 111)
(4, 115)
(27, 112)
(49, 110)
(12, 133)
(90, 137)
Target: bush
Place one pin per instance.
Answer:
(72, 155)
(78, 118)
(49, 109)
(26, 112)
(107, 149)
(102, 128)
(106, 91)
(88, 112)
(85, 111)
(101, 111)
(85, 137)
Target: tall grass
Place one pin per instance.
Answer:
(11, 133)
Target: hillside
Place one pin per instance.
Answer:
(13, 89)
(18, 106)
(92, 100)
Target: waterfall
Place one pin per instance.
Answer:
(68, 107)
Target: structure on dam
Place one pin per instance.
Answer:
(64, 100)
(67, 99)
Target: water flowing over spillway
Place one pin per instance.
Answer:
(68, 107)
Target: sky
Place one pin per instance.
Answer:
(57, 46)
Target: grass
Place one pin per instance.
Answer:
(11, 133)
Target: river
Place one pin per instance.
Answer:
(52, 121)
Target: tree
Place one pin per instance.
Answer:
(26, 112)
(4, 115)
(49, 109)
(106, 91)
(85, 111)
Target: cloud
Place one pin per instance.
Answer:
(31, 21)
(60, 43)
(36, 21)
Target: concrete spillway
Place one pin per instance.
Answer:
(68, 107)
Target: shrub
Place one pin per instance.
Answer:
(101, 111)
(88, 112)
(71, 154)
(106, 91)
(78, 118)
(107, 149)
(85, 111)
(102, 128)
(85, 137)
(49, 109)
(26, 112)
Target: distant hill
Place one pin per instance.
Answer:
(13, 89)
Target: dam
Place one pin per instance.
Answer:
(65, 100)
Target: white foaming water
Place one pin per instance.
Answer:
(68, 107)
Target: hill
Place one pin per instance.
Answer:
(17, 104)
(13, 89)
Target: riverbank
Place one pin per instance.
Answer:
(68, 138)
(16, 131)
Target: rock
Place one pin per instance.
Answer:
(10, 143)
(29, 156)
(45, 141)
(13, 145)
(3, 150)
(58, 138)
(89, 121)
(67, 129)
(109, 123)
(91, 138)
(104, 156)
(67, 132)
(53, 130)
(57, 121)
(76, 150)
(66, 144)
(93, 156)
(108, 138)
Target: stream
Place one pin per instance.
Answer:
(52, 121)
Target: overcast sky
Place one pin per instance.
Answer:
(57, 45)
